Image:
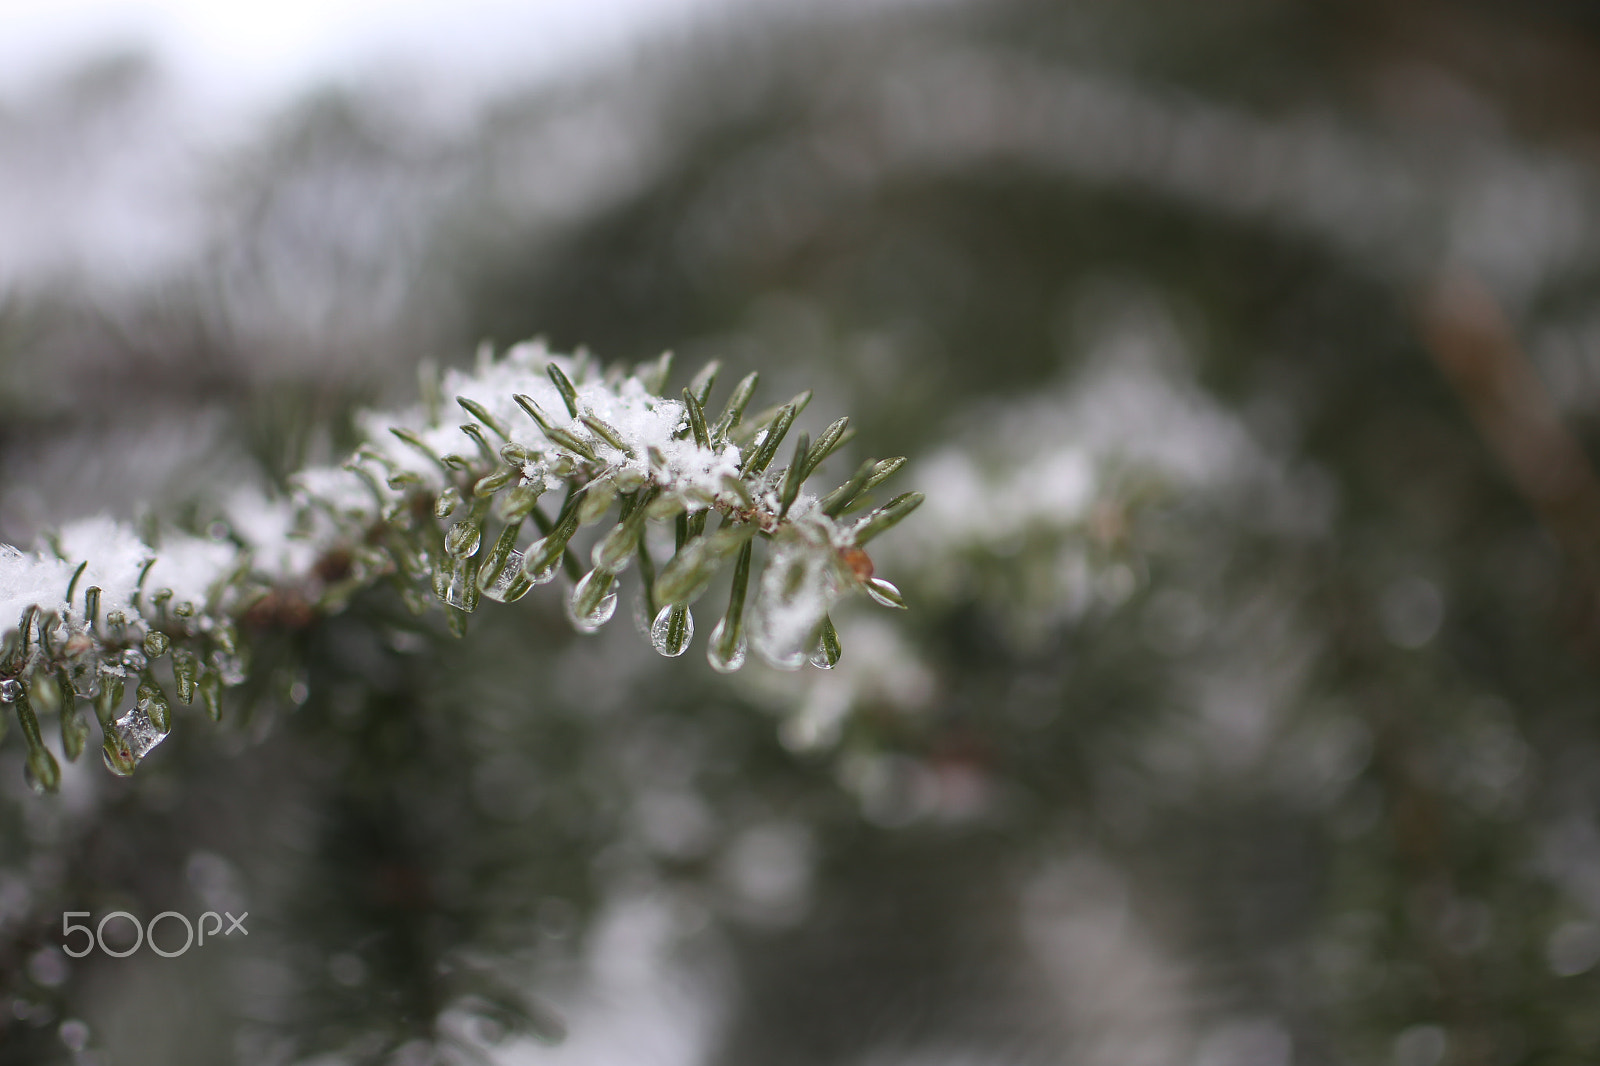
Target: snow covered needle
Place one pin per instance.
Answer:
(437, 499)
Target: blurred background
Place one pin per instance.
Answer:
(1248, 353)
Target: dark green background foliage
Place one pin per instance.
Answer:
(1309, 779)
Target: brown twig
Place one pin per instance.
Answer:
(1469, 338)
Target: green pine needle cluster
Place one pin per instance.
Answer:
(445, 502)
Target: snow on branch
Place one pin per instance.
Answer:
(435, 502)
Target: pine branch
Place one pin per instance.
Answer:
(434, 503)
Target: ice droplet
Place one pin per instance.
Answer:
(672, 630)
(589, 608)
(796, 591)
(511, 583)
(132, 735)
(463, 539)
(10, 689)
(884, 592)
(133, 659)
(550, 567)
(153, 702)
(825, 656)
(455, 593)
(725, 656)
(87, 685)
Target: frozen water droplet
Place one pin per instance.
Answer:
(825, 656)
(884, 592)
(672, 630)
(796, 591)
(153, 702)
(121, 763)
(133, 659)
(725, 656)
(10, 689)
(511, 583)
(132, 736)
(463, 539)
(86, 685)
(593, 601)
(455, 592)
(534, 557)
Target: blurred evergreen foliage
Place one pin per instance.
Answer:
(1263, 734)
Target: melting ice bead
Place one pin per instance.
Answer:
(463, 539)
(672, 630)
(593, 601)
(132, 736)
(461, 590)
(826, 654)
(10, 689)
(796, 591)
(153, 702)
(541, 562)
(724, 655)
(885, 593)
(510, 583)
(118, 759)
(86, 684)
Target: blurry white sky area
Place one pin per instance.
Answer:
(229, 56)
(106, 186)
